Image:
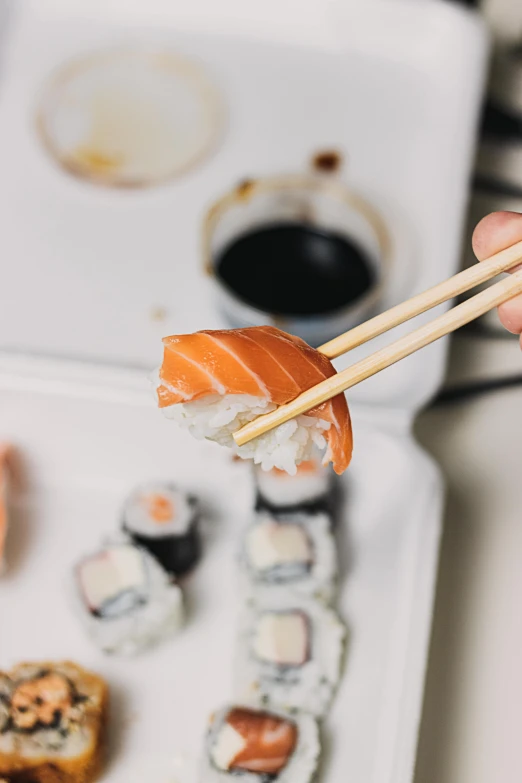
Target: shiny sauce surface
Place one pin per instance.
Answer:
(295, 269)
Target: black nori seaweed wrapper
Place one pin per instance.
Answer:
(178, 554)
(328, 503)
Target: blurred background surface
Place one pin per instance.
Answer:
(473, 695)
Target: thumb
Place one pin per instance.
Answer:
(495, 232)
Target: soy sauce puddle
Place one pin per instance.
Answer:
(294, 269)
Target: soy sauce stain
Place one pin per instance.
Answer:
(295, 269)
(97, 161)
(327, 161)
(156, 314)
(245, 188)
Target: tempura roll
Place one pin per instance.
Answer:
(52, 723)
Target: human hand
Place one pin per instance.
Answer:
(496, 232)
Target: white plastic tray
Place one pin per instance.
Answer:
(82, 456)
(394, 83)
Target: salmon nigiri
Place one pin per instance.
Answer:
(213, 382)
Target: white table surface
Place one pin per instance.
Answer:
(473, 702)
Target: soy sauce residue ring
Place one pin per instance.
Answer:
(129, 117)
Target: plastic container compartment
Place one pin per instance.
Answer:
(395, 84)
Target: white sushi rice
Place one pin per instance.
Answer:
(309, 687)
(217, 417)
(143, 626)
(300, 768)
(319, 581)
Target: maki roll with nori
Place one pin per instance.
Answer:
(254, 746)
(127, 602)
(289, 654)
(164, 520)
(310, 488)
(52, 723)
(294, 551)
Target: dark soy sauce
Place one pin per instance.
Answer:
(294, 269)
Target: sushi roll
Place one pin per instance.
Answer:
(4, 503)
(253, 746)
(289, 654)
(294, 550)
(213, 382)
(126, 600)
(164, 521)
(52, 723)
(310, 488)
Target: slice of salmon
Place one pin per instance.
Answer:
(258, 361)
(309, 367)
(269, 740)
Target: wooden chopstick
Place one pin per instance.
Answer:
(448, 289)
(444, 324)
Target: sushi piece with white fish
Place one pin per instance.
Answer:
(289, 551)
(289, 654)
(310, 488)
(247, 745)
(126, 600)
(164, 520)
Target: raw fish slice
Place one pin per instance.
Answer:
(308, 367)
(334, 411)
(187, 380)
(227, 372)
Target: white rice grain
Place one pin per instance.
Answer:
(216, 418)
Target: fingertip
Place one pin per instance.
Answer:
(510, 314)
(496, 232)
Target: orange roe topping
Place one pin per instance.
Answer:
(159, 508)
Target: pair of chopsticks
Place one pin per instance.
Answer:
(444, 324)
